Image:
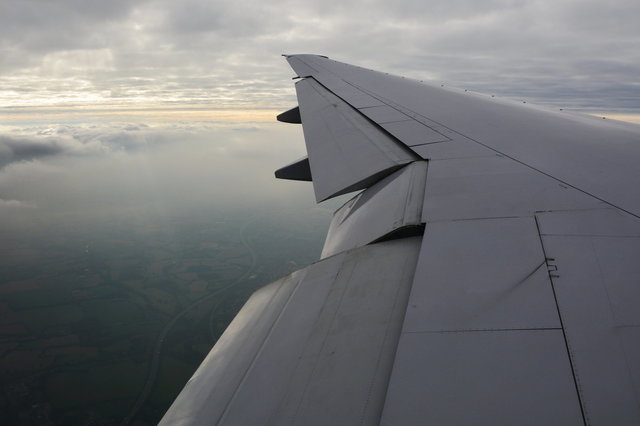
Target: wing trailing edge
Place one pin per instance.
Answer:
(346, 153)
(305, 350)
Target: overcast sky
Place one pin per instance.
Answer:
(222, 53)
(93, 92)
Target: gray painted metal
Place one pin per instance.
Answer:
(384, 114)
(596, 274)
(413, 133)
(452, 149)
(303, 68)
(346, 153)
(482, 378)
(480, 275)
(597, 156)
(343, 372)
(606, 222)
(290, 116)
(393, 203)
(408, 127)
(348, 92)
(306, 349)
(298, 170)
(481, 341)
(469, 188)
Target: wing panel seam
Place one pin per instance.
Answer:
(398, 142)
(574, 373)
(393, 104)
(262, 345)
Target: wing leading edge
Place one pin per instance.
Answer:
(487, 272)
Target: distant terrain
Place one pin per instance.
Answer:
(103, 323)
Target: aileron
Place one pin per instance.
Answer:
(346, 152)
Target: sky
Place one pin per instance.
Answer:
(224, 54)
(193, 85)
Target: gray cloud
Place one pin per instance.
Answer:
(236, 19)
(20, 149)
(68, 140)
(78, 172)
(12, 204)
(42, 25)
(225, 53)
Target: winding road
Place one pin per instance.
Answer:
(245, 242)
(157, 349)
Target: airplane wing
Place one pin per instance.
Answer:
(487, 273)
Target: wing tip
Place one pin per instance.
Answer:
(290, 55)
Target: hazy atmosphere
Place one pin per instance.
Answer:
(138, 207)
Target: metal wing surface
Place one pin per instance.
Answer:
(487, 273)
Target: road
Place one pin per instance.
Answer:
(254, 259)
(157, 349)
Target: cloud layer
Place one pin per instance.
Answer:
(88, 170)
(223, 53)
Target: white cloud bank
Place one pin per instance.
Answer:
(88, 170)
